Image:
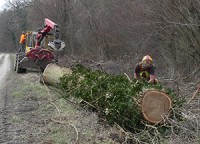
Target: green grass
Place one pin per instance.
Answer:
(61, 134)
(24, 89)
(15, 119)
(30, 90)
(88, 133)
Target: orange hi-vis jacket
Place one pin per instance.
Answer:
(22, 39)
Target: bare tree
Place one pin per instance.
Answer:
(110, 29)
(13, 22)
(176, 24)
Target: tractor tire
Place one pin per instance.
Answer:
(18, 67)
(15, 64)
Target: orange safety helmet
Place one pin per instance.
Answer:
(147, 60)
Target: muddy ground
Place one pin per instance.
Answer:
(33, 113)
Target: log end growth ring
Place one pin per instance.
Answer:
(155, 105)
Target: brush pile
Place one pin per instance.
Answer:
(129, 103)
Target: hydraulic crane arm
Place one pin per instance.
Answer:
(51, 24)
(48, 26)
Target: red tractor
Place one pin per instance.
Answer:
(41, 48)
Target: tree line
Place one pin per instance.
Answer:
(168, 30)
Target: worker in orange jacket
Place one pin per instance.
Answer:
(22, 42)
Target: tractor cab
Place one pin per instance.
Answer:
(31, 41)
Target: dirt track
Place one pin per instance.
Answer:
(5, 66)
(33, 114)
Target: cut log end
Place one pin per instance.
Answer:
(53, 73)
(155, 106)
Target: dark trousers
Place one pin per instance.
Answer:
(22, 47)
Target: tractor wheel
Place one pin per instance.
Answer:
(18, 67)
(15, 64)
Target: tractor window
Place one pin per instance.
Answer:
(29, 40)
(34, 40)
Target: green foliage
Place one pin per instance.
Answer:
(114, 96)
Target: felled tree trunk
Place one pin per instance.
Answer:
(53, 73)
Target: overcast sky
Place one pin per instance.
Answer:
(2, 2)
